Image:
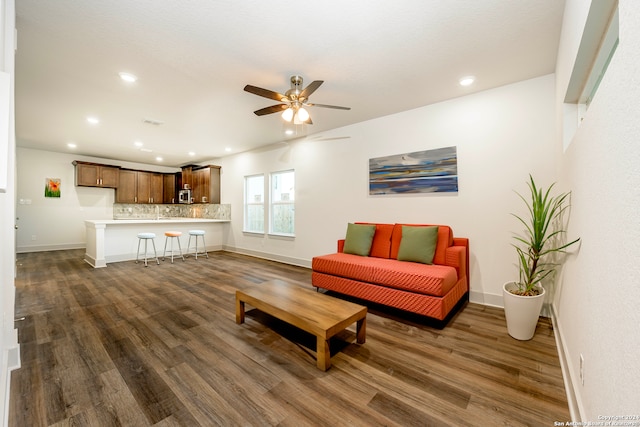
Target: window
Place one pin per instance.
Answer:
(281, 206)
(607, 48)
(597, 47)
(282, 203)
(254, 204)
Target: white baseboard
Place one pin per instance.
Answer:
(268, 256)
(132, 256)
(46, 248)
(10, 361)
(572, 398)
(482, 298)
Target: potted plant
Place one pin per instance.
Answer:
(542, 238)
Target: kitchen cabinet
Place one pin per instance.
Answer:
(169, 188)
(139, 187)
(96, 175)
(155, 188)
(127, 192)
(206, 184)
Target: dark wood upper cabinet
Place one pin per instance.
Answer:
(135, 186)
(126, 191)
(96, 175)
(139, 187)
(143, 187)
(206, 184)
(169, 188)
(155, 188)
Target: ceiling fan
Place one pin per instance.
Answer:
(292, 102)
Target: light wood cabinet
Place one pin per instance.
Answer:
(96, 175)
(139, 187)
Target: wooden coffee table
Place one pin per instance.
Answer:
(313, 312)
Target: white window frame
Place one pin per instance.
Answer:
(279, 197)
(598, 45)
(251, 200)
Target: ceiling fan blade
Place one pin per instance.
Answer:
(264, 92)
(328, 106)
(270, 110)
(307, 91)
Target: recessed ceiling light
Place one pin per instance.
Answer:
(128, 77)
(71, 145)
(93, 120)
(138, 143)
(191, 153)
(159, 158)
(228, 149)
(289, 132)
(466, 81)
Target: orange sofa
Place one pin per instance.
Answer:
(432, 290)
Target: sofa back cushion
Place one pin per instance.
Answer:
(445, 239)
(359, 238)
(418, 244)
(381, 244)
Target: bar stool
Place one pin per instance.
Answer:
(196, 234)
(171, 235)
(146, 237)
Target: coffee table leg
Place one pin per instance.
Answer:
(239, 311)
(323, 354)
(361, 330)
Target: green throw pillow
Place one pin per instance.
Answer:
(359, 238)
(418, 244)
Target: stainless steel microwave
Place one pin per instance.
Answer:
(184, 196)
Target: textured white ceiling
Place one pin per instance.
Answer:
(194, 57)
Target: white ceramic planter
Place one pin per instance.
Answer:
(522, 313)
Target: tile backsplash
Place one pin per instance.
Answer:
(139, 211)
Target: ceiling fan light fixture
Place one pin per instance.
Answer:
(303, 115)
(291, 103)
(287, 114)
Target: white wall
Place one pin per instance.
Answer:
(501, 136)
(9, 347)
(598, 303)
(58, 223)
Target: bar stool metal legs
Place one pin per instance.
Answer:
(196, 234)
(146, 237)
(172, 235)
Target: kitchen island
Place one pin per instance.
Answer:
(115, 240)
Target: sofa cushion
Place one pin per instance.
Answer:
(418, 244)
(358, 239)
(415, 277)
(345, 265)
(381, 244)
(445, 239)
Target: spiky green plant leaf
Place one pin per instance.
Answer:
(537, 241)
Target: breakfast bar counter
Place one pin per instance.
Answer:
(115, 240)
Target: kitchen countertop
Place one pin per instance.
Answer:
(153, 221)
(116, 240)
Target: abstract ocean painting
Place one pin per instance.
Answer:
(428, 171)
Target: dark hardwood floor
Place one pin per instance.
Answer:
(133, 346)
